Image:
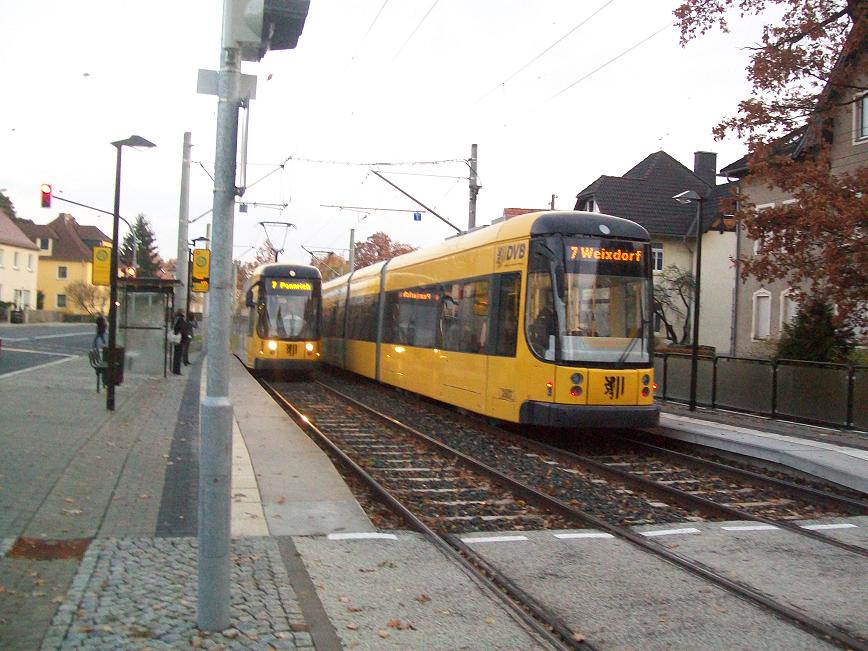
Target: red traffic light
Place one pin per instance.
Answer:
(45, 189)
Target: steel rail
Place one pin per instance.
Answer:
(823, 630)
(853, 506)
(686, 499)
(540, 621)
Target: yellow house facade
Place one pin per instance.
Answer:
(65, 255)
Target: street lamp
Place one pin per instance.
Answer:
(686, 197)
(132, 141)
(190, 268)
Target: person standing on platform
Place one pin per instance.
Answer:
(186, 338)
(101, 327)
(179, 327)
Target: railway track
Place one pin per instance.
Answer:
(552, 468)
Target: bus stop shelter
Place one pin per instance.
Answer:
(145, 315)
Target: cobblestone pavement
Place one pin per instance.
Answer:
(140, 593)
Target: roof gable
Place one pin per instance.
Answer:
(12, 235)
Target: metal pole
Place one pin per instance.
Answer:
(189, 280)
(694, 359)
(474, 190)
(181, 269)
(215, 470)
(352, 249)
(113, 290)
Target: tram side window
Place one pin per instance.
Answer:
(252, 311)
(463, 323)
(540, 319)
(362, 323)
(507, 313)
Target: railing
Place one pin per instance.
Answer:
(809, 392)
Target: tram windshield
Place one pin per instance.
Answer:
(288, 309)
(588, 301)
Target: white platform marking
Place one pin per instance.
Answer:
(362, 536)
(495, 539)
(669, 532)
(823, 527)
(752, 527)
(598, 534)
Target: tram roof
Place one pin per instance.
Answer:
(279, 270)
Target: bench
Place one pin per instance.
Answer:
(99, 366)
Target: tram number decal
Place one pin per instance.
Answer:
(506, 394)
(613, 386)
(510, 253)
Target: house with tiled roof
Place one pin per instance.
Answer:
(65, 256)
(19, 264)
(644, 194)
(764, 307)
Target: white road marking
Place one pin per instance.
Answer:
(37, 352)
(33, 368)
(669, 532)
(567, 536)
(751, 527)
(495, 539)
(68, 334)
(362, 536)
(822, 527)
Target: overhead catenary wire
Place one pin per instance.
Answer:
(415, 29)
(612, 60)
(365, 35)
(540, 55)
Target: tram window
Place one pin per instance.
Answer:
(362, 322)
(507, 314)
(411, 316)
(463, 321)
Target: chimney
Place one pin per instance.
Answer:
(705, 166)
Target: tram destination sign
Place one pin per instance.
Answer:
(279, 286)
(615, 258)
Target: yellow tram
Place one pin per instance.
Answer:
(278, 323)
(542, 319)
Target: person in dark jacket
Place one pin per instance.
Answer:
(181, 328)
(101, 327)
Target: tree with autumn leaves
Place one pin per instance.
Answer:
(807, 68)
(377, 247)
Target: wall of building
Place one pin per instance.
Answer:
(847, 153)
(23, 276)
(716, 291)
(51, 285)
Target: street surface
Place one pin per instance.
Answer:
(27, 346)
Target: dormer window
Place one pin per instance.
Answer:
(590, 205)
(44, 243)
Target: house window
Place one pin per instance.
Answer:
(61, 273)
(591, 205)
(29, 262)
(1, 257)
(656, 256)
(762, 314)
(16, 260)
(789, 307)
(860, 115)
(43, 243)
(61, 300)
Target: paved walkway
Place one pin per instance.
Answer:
(98, 525)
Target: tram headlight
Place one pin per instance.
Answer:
(271, 345)
(577, 378)
(308, 347)
(646, 379)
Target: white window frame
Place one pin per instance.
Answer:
(590, 205)
(44, 244)
(29, 262)
(760, 208)
(860, 119)
(16, 259)
(57, 301)
(65, 275)
(1, 258)
(786, 297)
(765, 294)
(656, 247)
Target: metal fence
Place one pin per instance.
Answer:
(810, 392)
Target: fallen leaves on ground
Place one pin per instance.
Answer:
(422, 598)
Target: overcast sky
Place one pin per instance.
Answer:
(408, 81)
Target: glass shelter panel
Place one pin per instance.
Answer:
(142, 332)
(815, 393)
(744, 384)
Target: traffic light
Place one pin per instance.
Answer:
(45, 189)
(258, 26)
